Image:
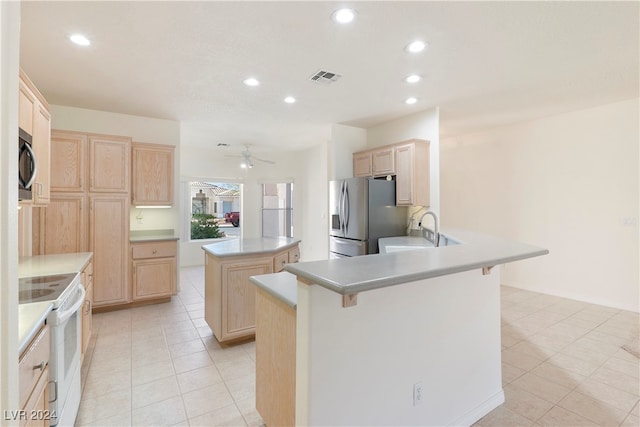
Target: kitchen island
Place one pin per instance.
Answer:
(229, 298)
(404, 338)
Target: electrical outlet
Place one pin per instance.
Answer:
(418, 394)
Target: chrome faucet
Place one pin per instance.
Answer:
(435, 231)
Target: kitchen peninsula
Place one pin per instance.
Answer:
(404, 338)
(229, 301)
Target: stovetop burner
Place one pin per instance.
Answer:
(43, 288)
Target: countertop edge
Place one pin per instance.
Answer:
(36, 322)
(282, 286)
(475, 251)
(249, 252)
(152, 239)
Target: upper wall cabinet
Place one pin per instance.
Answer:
(68, 161)
(407, 160)
(152, 183)
(412, 178)
(34, 118)
(109, 164)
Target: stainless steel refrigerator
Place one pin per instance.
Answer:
(362, 211)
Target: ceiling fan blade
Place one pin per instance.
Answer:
(263, 160)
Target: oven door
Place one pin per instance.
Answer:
(64, 373)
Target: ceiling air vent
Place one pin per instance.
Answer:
(325, 77)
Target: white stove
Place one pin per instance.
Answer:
(53, 287)
(68, 296)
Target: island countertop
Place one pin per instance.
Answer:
(255, 246)
(363, 273)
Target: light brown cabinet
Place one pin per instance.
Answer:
(362, 164)
(383, 162)
(152, 170)
(230, 307)
(68, 161)
(33, 378)
(412, 179)
(87, 316)
(284, 258)
(62, 226)
(109, 164)
(407, 160)
(34, 118)
(153, 267)
(109, 242)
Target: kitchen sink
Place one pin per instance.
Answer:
(389, 245)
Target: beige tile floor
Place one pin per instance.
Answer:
(563, 365)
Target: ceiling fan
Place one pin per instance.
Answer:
(248, 158)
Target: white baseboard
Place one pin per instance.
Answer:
(481, 410)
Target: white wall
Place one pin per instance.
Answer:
(345, 140)
(305, 168)
(357, 365)
(140, 129)
(567, 183)
(9, 46)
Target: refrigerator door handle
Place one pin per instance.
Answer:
(346, 209)
(341, 207)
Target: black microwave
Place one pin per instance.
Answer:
(27, 165)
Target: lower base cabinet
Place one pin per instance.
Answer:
(230, 298)
(33, 377)
(153, 270)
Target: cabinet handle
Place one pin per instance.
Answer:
(41, 366)
(155, 251)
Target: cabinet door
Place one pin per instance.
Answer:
(109, 242)
(152, 174)
(109, 164)
(404, 176)
(239, 296)
(42, 148)
(68, 161)
(61, 227)
(362, 164)
(383, 162)
(26, 101)
(153, 278)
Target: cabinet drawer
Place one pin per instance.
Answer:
(154, 249)
(279, 261)
(294, 254)
(33, 363)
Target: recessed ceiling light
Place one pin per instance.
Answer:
(411, 100)
(416, 46)
(251, 81)
(80, 40)
(413, 78)
(289, 100)
(344, 16)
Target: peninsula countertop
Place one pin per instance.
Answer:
(363, 273)
(31, 315)
(254, 246)
(283, 286)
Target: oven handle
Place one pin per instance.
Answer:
(55, 387)
(63, 316)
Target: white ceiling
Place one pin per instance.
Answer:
(487, 63)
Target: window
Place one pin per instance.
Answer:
(277, 210)
(215, 210)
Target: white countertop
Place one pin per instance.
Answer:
(363, 273)
(41, 265)
(283, 286)
(261, 245)
(31, 315)
(138, 236)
